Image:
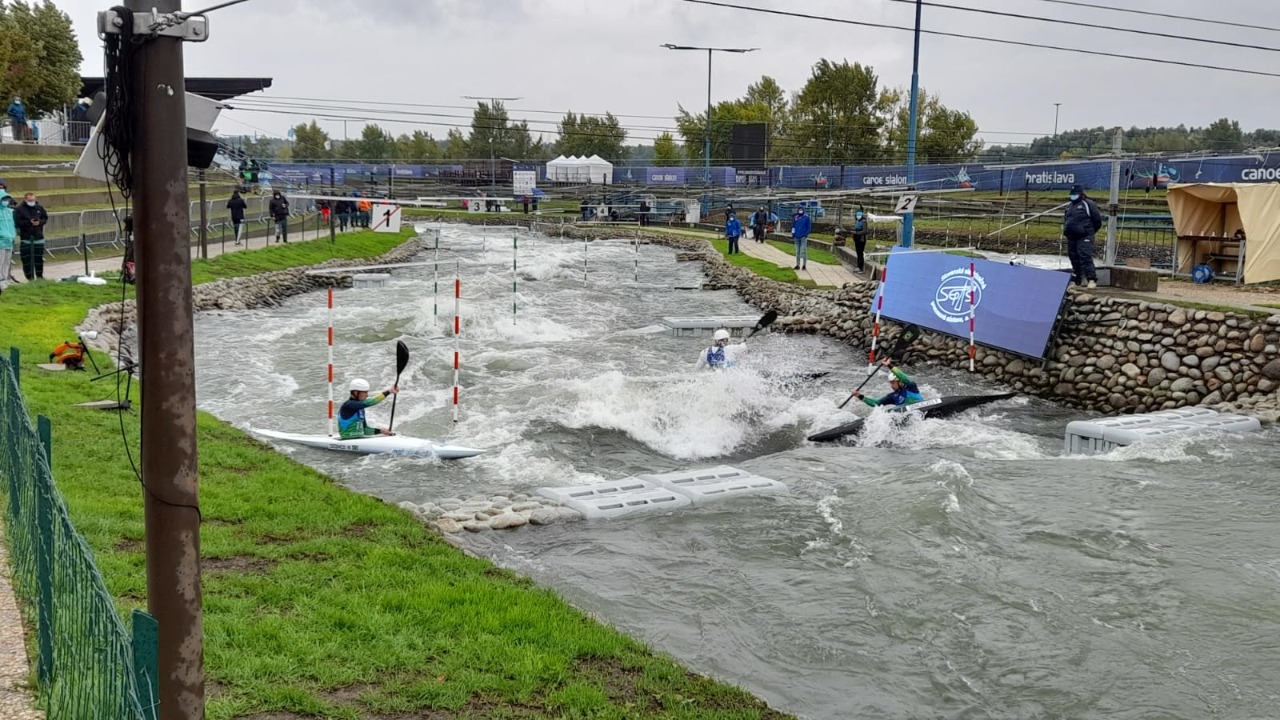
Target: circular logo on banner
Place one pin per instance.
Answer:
(952, 299)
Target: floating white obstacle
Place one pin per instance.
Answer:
(1106, 434)
(737, 325)
(661, 493)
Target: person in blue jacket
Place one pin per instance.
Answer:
(800, 227)
(732, 232)
(18, 120)
(905, 391)
(1080, 223)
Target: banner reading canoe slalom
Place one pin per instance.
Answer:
(1013, 307)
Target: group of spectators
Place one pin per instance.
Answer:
(21, 222)
(354, 213)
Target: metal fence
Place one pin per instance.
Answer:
(88, 667)
(103, 229)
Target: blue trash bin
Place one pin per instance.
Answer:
(1202, 274)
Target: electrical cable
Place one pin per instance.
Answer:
(980, 38)
(1093, 26)
(1167, 16)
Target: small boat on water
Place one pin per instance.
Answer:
(935, 408)
(400, 445)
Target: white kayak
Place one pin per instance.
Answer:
(376, 445)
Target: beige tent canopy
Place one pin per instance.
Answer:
(1206, 217)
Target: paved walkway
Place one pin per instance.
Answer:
(97, 266)
(17, 702)
(821, 275)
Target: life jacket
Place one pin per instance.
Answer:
(715, 357)
(69, 354)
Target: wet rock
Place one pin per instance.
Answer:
(475, 526)
(508, 520)
(448, 525)
(1182, 385)
(1130, 370)
(1170, 361)
(524, 506)
(1106, 362)
(1271, 370)
(1190, 361)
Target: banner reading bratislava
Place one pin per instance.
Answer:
(1014, 306)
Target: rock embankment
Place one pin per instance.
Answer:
(483, 512)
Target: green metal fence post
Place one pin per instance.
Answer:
(14, 357)
(146, 665)
(44, 559)
(15, 457)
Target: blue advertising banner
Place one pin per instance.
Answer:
(1014, 306)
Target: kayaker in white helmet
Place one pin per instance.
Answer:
(721, 354)
(351, 420)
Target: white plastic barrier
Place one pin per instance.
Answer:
(717, 483)
(737, 325)
(1106, 434)
(617, 499)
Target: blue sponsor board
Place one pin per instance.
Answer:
(1014, 306)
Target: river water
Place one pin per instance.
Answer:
(949, 568)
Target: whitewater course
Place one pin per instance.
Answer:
(959, 567)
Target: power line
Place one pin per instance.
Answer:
(1094, 26)
(1167, 16)
(999, 41)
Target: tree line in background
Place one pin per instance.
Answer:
(1221, 136)
(39, 57)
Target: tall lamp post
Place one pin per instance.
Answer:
(908, 219)
(1056, 108)
(709, 50)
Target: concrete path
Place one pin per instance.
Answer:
(17, 702)
(821, 275)
(97, 266)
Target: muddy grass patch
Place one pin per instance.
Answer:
(239, 564)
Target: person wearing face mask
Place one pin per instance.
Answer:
(1080, 223)
(860, 235)
(279, 209)
(30, 218)
(18, 120)
(8, 231)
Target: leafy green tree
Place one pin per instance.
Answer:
(724, 115)
(454, 146)
(838, 115)
(374, 144)
(666, 153)
(943, 135)
(418, 147)
(588, 135)
(39, 56)
(493, 132)
(1223, 135)
(310, 142)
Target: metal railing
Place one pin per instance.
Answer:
(87, 666)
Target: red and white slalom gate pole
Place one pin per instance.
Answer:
(973, 292)
(330, 362)
(457, 335)
(875, 327)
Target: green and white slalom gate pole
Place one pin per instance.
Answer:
(457, 335)
(515, 242)
(435, 287)
(636, 272)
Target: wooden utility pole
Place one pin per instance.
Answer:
(166, 343)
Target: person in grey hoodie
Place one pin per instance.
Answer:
(8, 232)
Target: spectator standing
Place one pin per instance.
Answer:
(344, 208)
(1080, 224)
(18, 120)
(30, 219)
(8, 233)
(279, 209)
(365, 209)
(860, 236)
(237, 207)
(733, 232)
(801, 225)
(644, 213)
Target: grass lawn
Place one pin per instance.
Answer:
(822, 257)
(760, 267)
(321, 602)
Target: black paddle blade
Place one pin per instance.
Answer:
(765, 321)
(908, 336)
(402, 357)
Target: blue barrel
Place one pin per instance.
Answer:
(1202, 274)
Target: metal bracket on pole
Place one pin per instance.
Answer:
(192, 28)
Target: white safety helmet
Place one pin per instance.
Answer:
(359, 385)
(721, 334)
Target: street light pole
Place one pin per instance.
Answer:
(707, 146)
(493, 170)
(1056, 108)
(908, 219)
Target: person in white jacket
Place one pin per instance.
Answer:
(721, 354)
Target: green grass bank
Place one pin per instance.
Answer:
(324, 603)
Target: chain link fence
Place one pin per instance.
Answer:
(88, 667)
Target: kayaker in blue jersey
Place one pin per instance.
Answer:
(904, 392)
(351, 421)
(721, 354)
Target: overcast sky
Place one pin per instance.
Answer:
(598, 55)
